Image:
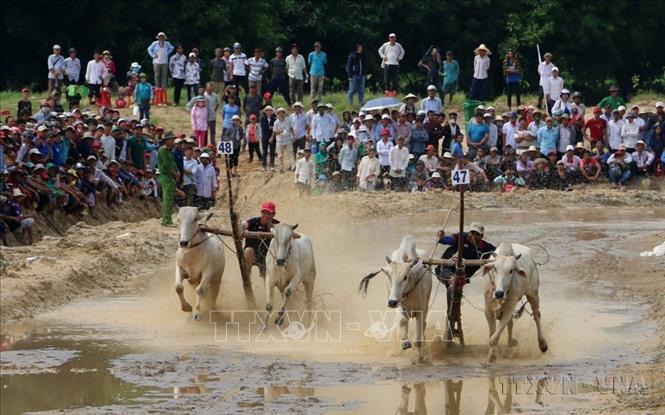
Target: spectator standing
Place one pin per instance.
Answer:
(238, 59)
(267, 122)
(478, 135)
(481, 64)
(177, 65)
(545, 73)
(205, 177)
(356, 70)
(369, 171)
(94, 75)
(305, 172)
(72, 68)
(596, 127)
(109, 79)
(192, 76)
(553, 87)
(253, 136)
(348, 156)
(168, 176)
(391, 54)
(613, 100)
(317, 71)
(56, 70)
(431, 62)
(159, 51)
(614, 131)
(236, 135)
(301, 127)
(218, 73)
(297, 71)
(283, 135)
(228, 73)
(199, 120)
(257, 66)
(143, 96)
(548, 136)
(450, 69)
(399, 159)
(278, 76)
(577, 103)
(512, 71)
(431, 102)
(629, 132)
(252, 102)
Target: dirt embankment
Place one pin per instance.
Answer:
(90, 260)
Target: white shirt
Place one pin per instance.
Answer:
(614, 133)
(431, 163)
(295, 66)
(95, 72)
(108, 145)
(629, 132)
(305, 171)
(189, 178)
(282, 130)
(391, 54)
(256, 68)
(299, 122)
(399, 159)
(383, 150)
(644, 159)
(206, 180)
(545, 72)
(323, 127)
(368, 166)
(481, 65)
(238, 62)
(509, 131)
(73, 69)
(553, 88)
(565, 138)
(494, 135)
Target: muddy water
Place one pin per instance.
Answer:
(138, 352)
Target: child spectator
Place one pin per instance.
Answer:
(199, 120)
(143, 96)
(509, 182)
(253, 136)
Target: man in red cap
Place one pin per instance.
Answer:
(256, 249)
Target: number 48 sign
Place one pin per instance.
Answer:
(225, 147)
(460, 177)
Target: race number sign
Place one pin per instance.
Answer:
(459, 177)
(225, 147)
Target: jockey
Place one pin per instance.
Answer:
(474, 247)
(256, 249)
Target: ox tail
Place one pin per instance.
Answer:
(364, 283)
(408, 248)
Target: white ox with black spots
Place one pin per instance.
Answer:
(511, 275)
(199, 260)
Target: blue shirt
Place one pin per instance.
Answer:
(456, 150)
(547, 139)
(229, 111)
(450, 72)
(317, 62)
(477, 132)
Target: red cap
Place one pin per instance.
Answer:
(267, 96)
(268, 206)
(597, 110)
(252, 116)
(385, 131)
(430, 147)
(211, 146)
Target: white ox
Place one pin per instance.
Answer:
(289, 262)
(511, 275)
(410, 289)
(199, 260)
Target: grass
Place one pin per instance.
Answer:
(176, 118)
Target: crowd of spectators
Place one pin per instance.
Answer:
(72, 159)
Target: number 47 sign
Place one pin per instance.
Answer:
(460, 177)
(225, 147)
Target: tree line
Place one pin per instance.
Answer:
(595, 43)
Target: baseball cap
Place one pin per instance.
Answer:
(477, 227)
(268, 206)
(431, 88)
(659, 105)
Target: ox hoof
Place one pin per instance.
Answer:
(543, 345)
(512, 343)
(279, 318)
(186, 308)
(406, 345)
(196, 317)
(492, 356)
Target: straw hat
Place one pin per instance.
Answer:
(482, 47)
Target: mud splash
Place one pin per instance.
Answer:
(153, 358)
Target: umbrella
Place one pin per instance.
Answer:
(378, 104)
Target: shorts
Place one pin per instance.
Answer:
(450, 88)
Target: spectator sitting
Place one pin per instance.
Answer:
(509, 182)
(619, 167)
